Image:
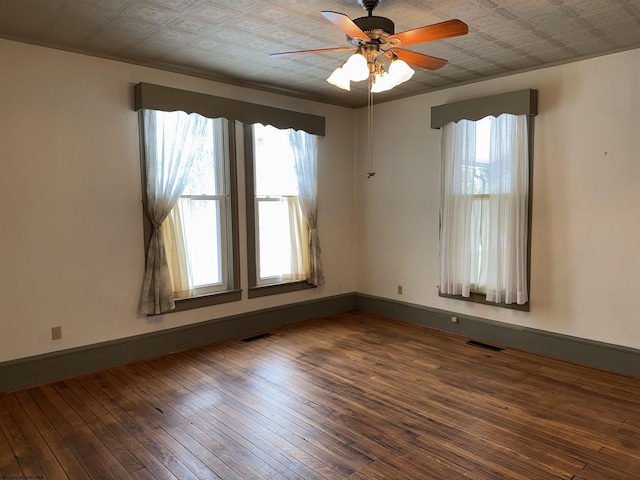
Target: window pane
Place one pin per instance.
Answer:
(483, 144)
(485, 197)
(202, 240)
(202, 178)
(274, 162)
(274, 238)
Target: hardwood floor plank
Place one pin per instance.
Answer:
(260, 443)
(197, 441)
(86, 415)
(15, 443)
(351, 396)
(9, 466)
(142, 474)
(375, 407)
(71, 465)
(306, 439)
(95, 458)
(144, 455)
(141, 421)
(241, 451)
(608, 472)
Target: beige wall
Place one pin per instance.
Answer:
(71, 236)
(586, 204)
(71, 241)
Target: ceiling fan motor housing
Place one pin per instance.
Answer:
(377, 28)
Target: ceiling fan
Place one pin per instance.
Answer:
(375, 41)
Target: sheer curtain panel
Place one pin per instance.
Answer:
(508, 210)
(457, 244)
(169, 154)
(484, 216)
(305, 148)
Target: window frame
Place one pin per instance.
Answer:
(233, 293)
(159, 97)
(516, 103)
(255, 289)
(223, 212)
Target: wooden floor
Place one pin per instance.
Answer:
(350, 396)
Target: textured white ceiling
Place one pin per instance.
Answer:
(230, 40)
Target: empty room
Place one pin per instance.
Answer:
(349, 239)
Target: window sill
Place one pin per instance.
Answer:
(266, 290)
(480, 298)
(207, 300)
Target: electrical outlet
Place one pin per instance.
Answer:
(56, 333)
(454, 319)
(400, 289)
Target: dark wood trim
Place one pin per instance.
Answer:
(39, 369)
(157, 97)
(249, 182)
(233, 215)
(579, 350)
(521, 102)
(266, 290)
(217, 298)
(481, 298)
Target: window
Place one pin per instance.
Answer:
(485, 209)
(281, 220)
(201, 266)
(190, 204)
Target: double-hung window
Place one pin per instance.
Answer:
(196, 232)
(281, 210)
(189, 183)
(188, 173)
(485, 207)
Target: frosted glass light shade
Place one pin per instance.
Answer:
(356, 68)
(400, 71)
(340, 79)
(382, 82)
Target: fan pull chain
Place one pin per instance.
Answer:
(370, 173)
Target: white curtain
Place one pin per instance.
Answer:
(172, 141)
(176, 226)
(175, 245)
(484, 217)
(305, 148)
(299, 241)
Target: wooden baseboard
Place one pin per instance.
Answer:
(579, 350)
(39, 369)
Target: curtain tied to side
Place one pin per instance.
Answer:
(171, 142)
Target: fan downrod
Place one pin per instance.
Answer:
(369, 5)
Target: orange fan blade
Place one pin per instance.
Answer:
(419, 60)
(345, 24)
(450, 28)
(322, 50)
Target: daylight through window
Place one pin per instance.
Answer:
(485, 199)
(281, 231)
(189, 205)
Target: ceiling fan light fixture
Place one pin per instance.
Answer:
(400, 71)
(356, 67)
(340, 79)
(382, 82)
